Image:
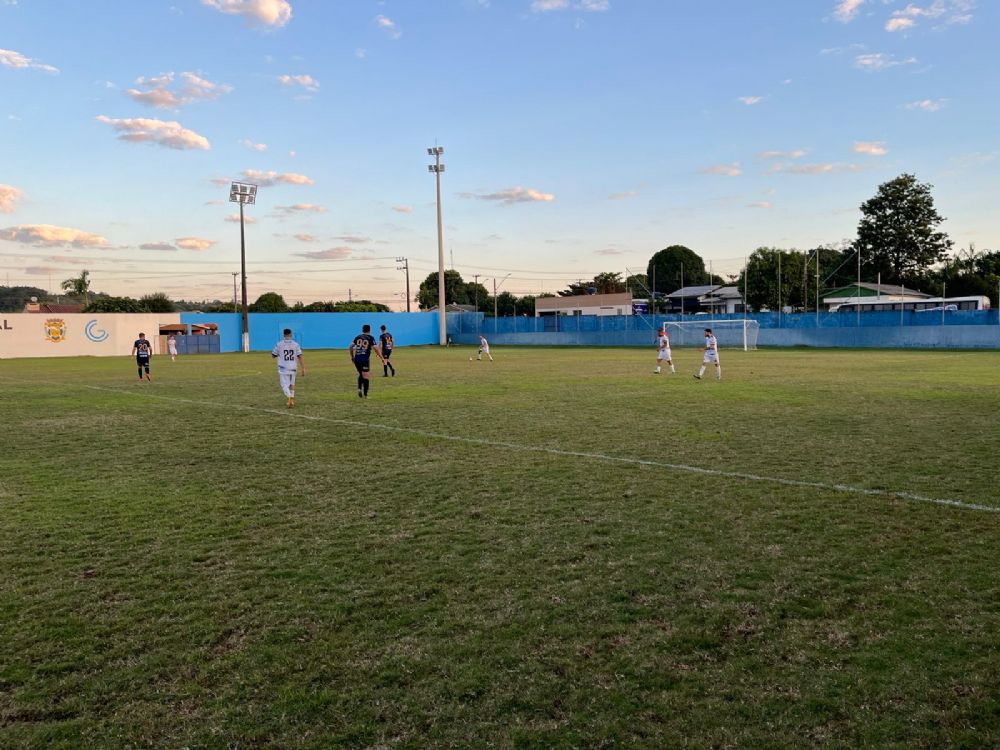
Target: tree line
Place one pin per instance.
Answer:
(899, 242)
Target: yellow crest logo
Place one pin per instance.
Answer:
(55, 330)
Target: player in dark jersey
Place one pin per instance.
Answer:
(361, 354)
(385, 341)
(142, 349)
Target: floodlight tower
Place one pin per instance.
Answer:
(242, 193)
(437, 168)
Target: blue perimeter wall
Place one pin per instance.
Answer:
(956, 330)
(318, 330)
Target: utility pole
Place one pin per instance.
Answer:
(405, 267)
(437, 168)
(475, 291)
(235, 274)
(495, 299)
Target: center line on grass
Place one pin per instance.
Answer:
(845, 488)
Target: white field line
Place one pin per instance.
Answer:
(845, 488)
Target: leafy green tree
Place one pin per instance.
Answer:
(476, 295)
(79, 286)
(608, 282)
(158, 303)
(115, 305)
(970, 273)
(506, 304)
(14, 298)
(765, 267)
(456, 290)
(269, 302)
(898, 233)
(526, 305)
(360, 305)
(673, 265)
(638, 285)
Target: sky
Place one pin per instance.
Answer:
(579, 136)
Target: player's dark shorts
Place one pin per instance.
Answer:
(363, 365)
(142, 361)
(386, 353)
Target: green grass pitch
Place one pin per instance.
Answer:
(517, 554)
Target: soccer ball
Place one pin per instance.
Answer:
(470, 359)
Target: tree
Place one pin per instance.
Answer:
(455, 290)
(970, 273)
(673, 265)
(760, 279)
(158, 303)
(360, 305)
(79, 285)
(526, 305)
(14, 298)
(608, 282)
(638, 285)
(897, 235)
(269, 302)
(115, 305)
(506, 304)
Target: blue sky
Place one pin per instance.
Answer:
(580, 136)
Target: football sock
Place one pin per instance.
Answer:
(361, 381)
(393, 370)
(657, 369)
(701, 371)
(672, 368)
(385, 369)
(366, 388)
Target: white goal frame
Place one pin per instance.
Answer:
(740, 333)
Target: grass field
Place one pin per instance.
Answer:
(518, 554)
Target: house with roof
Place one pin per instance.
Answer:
(51, 308)
(723, 300)
(585, 304)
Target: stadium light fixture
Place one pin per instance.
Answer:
(244, 194)
(437, 168)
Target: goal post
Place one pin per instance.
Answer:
(730, 334)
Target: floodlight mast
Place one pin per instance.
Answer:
(437, 168)
(243, 193)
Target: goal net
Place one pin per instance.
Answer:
(731, 334)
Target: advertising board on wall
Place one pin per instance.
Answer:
(77, 334)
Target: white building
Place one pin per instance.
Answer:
(585, 304)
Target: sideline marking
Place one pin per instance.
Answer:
(845, 488)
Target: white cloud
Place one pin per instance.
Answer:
(11, 59)
(235, 219)
(275, 13)
(306, 238)
(361, 53)
(513, 195)
(877, 61)
(544, 6)
(587, 6)
(795, 154)
(750, 100)
(161, 92)
(194, 243)
(157, 246)
(759, 204)
(354, 239)
(846, 10)
(726, 170)
(403, 209)
(609, 251)
(898, 24)
(388, 26)
(301, 208)
(814, 169)
(305, 81)
(272, 178)
(144, 130)
(247, 143)
(9, 196)
(927, 105)
(623, 195)
(334, 253)
(870, 148)
(47, 235)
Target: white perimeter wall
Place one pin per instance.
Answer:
(95, 335)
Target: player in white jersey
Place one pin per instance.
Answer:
(711, 355)
(484, 348)
(663, 351)
(289, 356)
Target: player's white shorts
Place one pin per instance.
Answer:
(711, 357)
(484, 349)
(663, 355)
(171, 350)
(287, 380)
